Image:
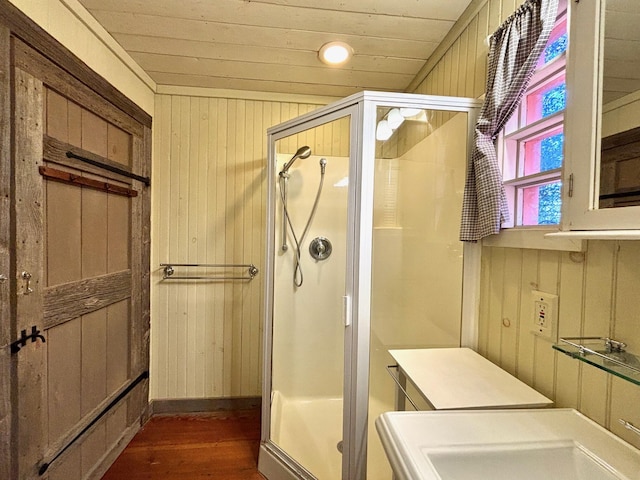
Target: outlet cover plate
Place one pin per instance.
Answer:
(545, 314)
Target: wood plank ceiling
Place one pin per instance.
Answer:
(272, 45)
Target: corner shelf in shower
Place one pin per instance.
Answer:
(597, 351)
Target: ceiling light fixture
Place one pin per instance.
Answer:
(335, 53)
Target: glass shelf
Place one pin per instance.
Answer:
(597, 351)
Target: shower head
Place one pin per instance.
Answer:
(323, 164)
(303, 152)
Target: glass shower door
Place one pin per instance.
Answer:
(308, 232)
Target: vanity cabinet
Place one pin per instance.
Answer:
(602, 124)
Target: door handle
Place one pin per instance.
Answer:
(3, 278)
(27, 288)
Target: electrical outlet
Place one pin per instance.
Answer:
(545, 313)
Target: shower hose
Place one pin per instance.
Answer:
(298, 277)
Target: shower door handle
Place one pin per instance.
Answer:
(346, 310)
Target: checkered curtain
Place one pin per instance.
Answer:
(513, 55)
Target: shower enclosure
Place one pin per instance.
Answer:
(363, 256)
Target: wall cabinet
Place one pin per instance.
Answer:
(601, 178)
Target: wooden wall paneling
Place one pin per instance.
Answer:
(529, 281)
(94, 233)
(221, 305)
(480, 60)
(570, 314)
(63, 240)
(625, 398)
(455, 69)
(249, 189)
(495, 15)
(463, 67)
(64, 380)
(626, 318)
(193, 318)
(485, 286)
(472, 47)
(544, 360)
(494, 324)
(174, 319)
(511, 316)
(237, 245)
(29, 254)
(68, 86)
(94, 360)
(5, 255)
(598, 296)
(255, 250)
(208, 155)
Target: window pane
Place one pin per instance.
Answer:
(555, 48)
(541, 204)
(546, 100)
(544, 153)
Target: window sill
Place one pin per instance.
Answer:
(595, 235)
(535, 238)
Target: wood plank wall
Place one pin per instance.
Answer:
(596, 289)
(209, 194)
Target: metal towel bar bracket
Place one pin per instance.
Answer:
(168, 271)
(404, 391)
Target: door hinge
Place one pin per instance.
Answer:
(570, 194)
(22, 341)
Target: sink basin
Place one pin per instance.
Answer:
(527, 461)
(534, 444)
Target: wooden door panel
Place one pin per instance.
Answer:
(119, 145)
(94, 360)
(57, 116)
(118, 321)
(94, 233)
(94, 134)
(68, 466)
(63, 240)
(29, 257)
(87, 254)
(118, 233)
(64, 364)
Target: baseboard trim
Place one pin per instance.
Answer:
(202, 405)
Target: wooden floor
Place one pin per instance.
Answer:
(221, 445)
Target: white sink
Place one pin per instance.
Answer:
(549, 444)
(526, 461)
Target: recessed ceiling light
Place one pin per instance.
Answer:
(335, 53)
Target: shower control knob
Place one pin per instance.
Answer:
(320, 248)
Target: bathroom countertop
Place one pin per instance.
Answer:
(459, 378)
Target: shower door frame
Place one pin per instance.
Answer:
(272, 457)
(362, 107)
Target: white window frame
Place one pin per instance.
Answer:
(510, 145)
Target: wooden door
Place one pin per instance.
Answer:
(81, 272)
